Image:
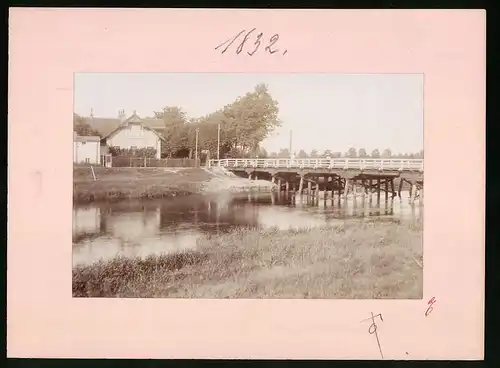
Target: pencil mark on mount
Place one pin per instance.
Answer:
(242, 44)
(229, 42)
(373, 329)
(257, 44)
(272, 41)
(253, 42)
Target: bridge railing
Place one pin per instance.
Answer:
(323, 163)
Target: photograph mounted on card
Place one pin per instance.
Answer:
(274, 186)
(246, 184)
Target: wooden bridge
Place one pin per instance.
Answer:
(341, 175)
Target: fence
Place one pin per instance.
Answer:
(349, 163)
(118, 161)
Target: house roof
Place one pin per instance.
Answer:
(103, 125)
(106, 126)
(86, 138)
(134, 119)
(157, 124)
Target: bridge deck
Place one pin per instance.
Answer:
(361, 164)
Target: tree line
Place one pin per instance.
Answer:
(242, 126)
(351, 153)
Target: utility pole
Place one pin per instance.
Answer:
(218, 141)
(290, 147)
(196, 148)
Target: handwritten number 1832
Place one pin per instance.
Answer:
(256, 44)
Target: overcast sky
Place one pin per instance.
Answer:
(324, 111)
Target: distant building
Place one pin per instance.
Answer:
(86, 149)
(128, 133)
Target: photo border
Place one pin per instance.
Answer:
(447, 46)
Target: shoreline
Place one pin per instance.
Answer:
(368, 260)
(128, 183)
(116, 184)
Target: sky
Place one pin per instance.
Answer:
(323, 111)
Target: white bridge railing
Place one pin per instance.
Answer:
(381, 164)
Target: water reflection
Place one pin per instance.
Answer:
(153, 227)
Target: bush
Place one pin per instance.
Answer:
(129, 152)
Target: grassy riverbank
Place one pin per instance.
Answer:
(358, 260)
(111, 184)
(135, 183)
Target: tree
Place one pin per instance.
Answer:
(362, 153)
(273, 155)
(262, 153)
(247, 121)
(314, 153)
(302, 154)
(82, 128)
(244, 124)
(176, 131)
(158, 114)
(284, 153)
(351, 153)
(387, 153)
(375, 153)
(327, 153)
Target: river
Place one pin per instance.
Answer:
(134, 228)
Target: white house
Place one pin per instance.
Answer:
(86, 149)
(132, 133)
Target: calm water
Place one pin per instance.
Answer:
(152, 227)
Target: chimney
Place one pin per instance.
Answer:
(121, 115)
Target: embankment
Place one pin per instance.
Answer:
(111, 184)
(364, 261)
(222, 180)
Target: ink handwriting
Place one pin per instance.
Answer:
(430, 308)
(256, 42)
(373, 329)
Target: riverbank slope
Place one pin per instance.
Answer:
(142, 183)
(360, 260)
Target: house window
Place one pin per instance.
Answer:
(135, 131)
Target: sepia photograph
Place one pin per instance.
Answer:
(222, 185)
